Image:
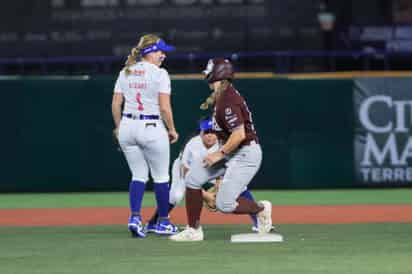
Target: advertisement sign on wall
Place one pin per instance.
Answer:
(383, 141)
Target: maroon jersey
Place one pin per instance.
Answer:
(230, 112)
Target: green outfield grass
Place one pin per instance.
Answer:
(317, 249)
(312, 249)
(281, 197)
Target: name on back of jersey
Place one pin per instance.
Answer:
(137, 72)
(137, 85)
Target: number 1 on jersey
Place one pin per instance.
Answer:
(139, 101)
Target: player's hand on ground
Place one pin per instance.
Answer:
(213, 158)
(173, 136)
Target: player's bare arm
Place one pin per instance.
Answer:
(117, 102)
(233, 142)
(167, 116)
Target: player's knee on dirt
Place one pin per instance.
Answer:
(225, 206)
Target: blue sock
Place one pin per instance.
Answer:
(136, 192)
(248, 195)
(162, 198)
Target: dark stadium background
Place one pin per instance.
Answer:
(94, 36)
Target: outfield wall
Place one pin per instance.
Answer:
(57, 132)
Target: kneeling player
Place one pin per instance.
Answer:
(196, 149)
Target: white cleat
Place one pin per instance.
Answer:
(256, 229)
(189, 234)
(265, 217)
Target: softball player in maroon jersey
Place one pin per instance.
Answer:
(238, 159)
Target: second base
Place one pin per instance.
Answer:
(256, 238)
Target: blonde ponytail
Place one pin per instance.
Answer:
(131, 60)
(144, 42)
(210, 101)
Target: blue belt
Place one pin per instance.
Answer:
(140, 116)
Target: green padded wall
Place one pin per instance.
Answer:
(57, 132)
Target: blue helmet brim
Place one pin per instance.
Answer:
(206, 125)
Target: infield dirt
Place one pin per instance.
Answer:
(341, 214)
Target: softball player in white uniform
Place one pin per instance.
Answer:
(144, 138)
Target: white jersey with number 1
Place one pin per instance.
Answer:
(141, 88)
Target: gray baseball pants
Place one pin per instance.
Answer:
(238, 170)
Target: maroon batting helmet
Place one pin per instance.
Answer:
(218, 69)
